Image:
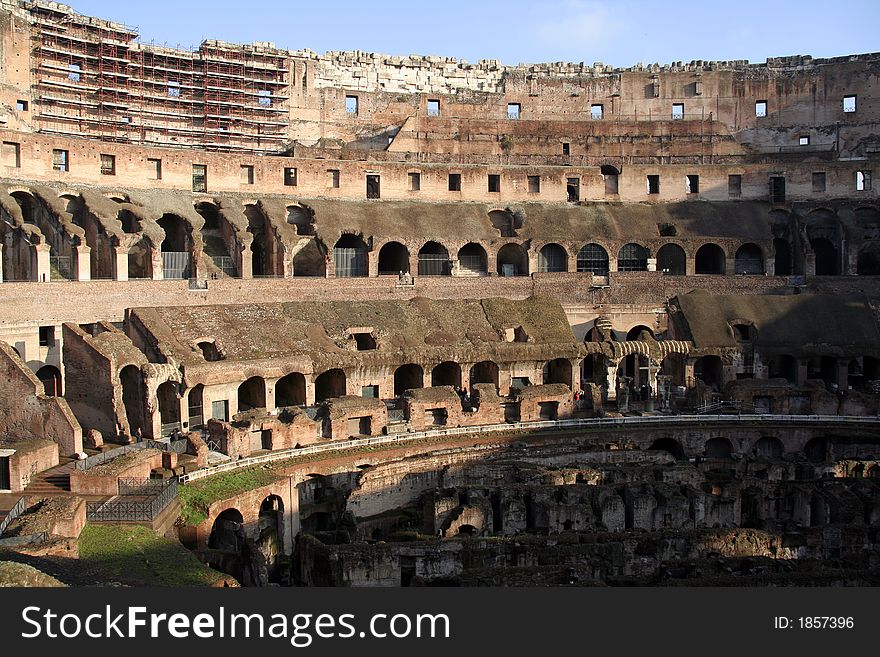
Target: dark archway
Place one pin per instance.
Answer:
(195, 404)
(50, 377)
(671, 260)
(350, 257)
(816, 450)
(557, 371)
(782, 259)
(718, 448)
(749, 259)
(784, 367)
(310, 260)
(670, 445)
(610, 176)
(291, 390)
(434, 260)
(472, 260)
(329, 384)
(639, 332)
(393, 258)
(446, 373)
(169, 407)
(674, 366)
(484, 372)
(408, 377)
(594, 259)
(594, 369)
(869, 259)
(827, 259)
(132, 381)
(769, 447)
(552, 258)
(252, 394)
(710, 371)
(710, 260)
(176, 247)
(227, 532)
(271, 538)
(632, 257)
(513, 261)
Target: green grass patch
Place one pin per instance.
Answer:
(136, 556)
(197, 497)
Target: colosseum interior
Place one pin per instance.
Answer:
(365, 320)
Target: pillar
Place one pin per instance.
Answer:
(158, 267)
(270, 392)
(611, 378)
(247, 262)
(770, 266)
(120, 264)
(83, 255)
(44, 267)
(801, 372)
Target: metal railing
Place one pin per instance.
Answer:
(587, 423)
(122, 510)
(178, 446)
(13, 514)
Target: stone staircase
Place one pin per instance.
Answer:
(51, 482)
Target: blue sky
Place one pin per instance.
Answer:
(616, 32)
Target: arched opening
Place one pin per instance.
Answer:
(674, 366)
(484, 372)
(446, 373)
(749, 259)
(671, 260)
(635, 368)
(434, 260)
(140, 260)
(784, 367)
(769, 447)
(557, 371)
(291, 390)
(19, 262)
(227, 532)
(816, 450)
(710, 260)
(393, 259)
(50, 377)
(176, 247)
(130, 223)
(217, 242)
(610, 175)
(169, 407)
(505, 222)
(350, 257)
(252, 394)
(639, 332)
(513, 261)
(132, 382)
(826, 257)
(710, 371)
(868, 263)
(818, 510)
(329, 384)
(782, 259)
(271, 538)
(102, 262)
(302, 218)
(594, 369)
(267, 254)
(408, 377)
(594, 259)
(210, 352)
(669, 445)
(195, 404)
(718, 448)
(62, 257)
(309, 260)
(632, 257)
(552, 258)
(472, 260)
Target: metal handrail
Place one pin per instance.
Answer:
(13, 514)
(340, 445)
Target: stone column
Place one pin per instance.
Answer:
(83, 256)
(120, 264)
(801, 376)
(44, 267)
(690, 265)
(247, 261)
(611, 378)
(810, 264)
(270, 393)
(770, 266)
(158, 267)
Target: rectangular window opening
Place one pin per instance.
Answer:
(12, 154)
(74, 72)
(433, 107)
(454, 182)
(60, 160)
(761, 108)
(173, 89)
(849, 104)
(677, 111)
(108, 165)
(351, 105)
(573, 189)
(534, 184)
(653, 184)
(566, 148)
(373, 190)
(734, 185)
(514, 110)
(818, 181)
(804, 140)
(200, 177)
(155, 166)
(597, 111)
(692, 184)
(21, 105)
(264, 98)
(333, 175)
(247, 174)
(415, 181)
(494, 182)
(47, 336)
(290, 176)
(777, 189)
(863, 180)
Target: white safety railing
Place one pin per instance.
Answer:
(587, 423)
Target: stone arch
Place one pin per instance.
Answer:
(710, 370)
(507, 223)
(782, 257)
(472, 260)
(329, 384)
(447, 373)
(669, 445)
(271, 537)
(816, 449)
(675, 367)
(195, 406)
(632, 257)
(593, 258)
(718, 448)
(351, 257)
(408, 377)
(290, 390)
(301, 217)
(638, 332)
(868, 263)
(132, 382)
(227, 532)
(220, 241)
(267, 253)
(749, 259)
(310, 260)
(552, 258)
(434, 260)
(710, 259)
(671, 260)
(50, 377)
(610, 176)
(768, 447)
(176, 247)
(102, 264)
(557, 370)
(393, 258)
(168, 401)
(63, 257)
(594, 369)
(252, 394)
(513, 260)
(484, 372)
(824, 233)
